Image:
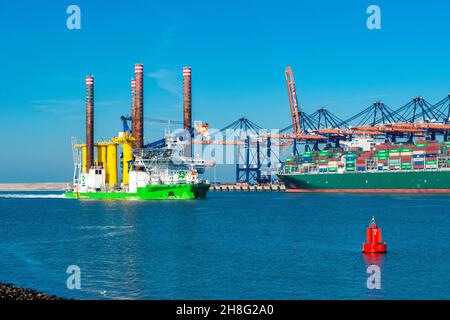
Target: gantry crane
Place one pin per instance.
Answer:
(293, 102)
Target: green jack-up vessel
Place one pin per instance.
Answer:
(165, 172)
(155, 174)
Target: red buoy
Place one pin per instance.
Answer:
(373, 237)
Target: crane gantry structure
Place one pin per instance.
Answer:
(254, 156)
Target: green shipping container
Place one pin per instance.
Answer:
(431, 162)
(421, 145)
(332, 169)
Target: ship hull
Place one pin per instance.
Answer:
(150, 192)
(370, 182)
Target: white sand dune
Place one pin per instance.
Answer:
(38, 186)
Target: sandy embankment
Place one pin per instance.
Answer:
(38, 186)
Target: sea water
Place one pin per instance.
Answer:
(236, 245)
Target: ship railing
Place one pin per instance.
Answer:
(152, 153)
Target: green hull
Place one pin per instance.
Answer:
(399, 181)
(150, 192)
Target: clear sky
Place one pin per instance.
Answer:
(237, 50)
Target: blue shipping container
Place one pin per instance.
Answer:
(349, 165)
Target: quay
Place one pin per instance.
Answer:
(247, 188)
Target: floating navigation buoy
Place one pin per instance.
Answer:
(373, 237)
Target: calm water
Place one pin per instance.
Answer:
(230, 246)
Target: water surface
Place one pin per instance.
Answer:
(229, 246)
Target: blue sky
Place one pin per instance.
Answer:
(237, 50)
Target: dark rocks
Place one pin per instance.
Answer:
(9, 292)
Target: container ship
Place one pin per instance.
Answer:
(163, 170)
(419, 167)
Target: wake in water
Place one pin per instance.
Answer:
(31, 196)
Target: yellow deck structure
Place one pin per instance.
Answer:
(126, 140)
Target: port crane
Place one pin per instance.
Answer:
(302, 124)
(254, 154)
(293, 101)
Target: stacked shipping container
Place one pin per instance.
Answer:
(386, 156)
